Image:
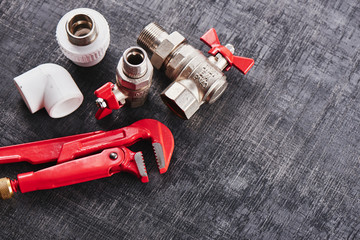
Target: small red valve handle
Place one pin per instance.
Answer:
(102, 112)
(101, 165)
(211, 39)
(105, 92)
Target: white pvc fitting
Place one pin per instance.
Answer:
(51, 86)
(83, 35)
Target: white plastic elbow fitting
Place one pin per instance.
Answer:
(83, 35)
(51, 86)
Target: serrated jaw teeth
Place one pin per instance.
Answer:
(159, 155)
(139, 159)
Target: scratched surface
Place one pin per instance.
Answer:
(276, 157)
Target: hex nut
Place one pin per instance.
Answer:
(180, 100)
(179, 60)
(165, 48)
(174, 64)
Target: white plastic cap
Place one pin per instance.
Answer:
(51, 86)
(93, 51)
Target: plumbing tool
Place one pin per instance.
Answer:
(85, 157)
(196, 78)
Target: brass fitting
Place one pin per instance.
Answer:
(83, 35)
(81, 29)
(196, 78)
(6, 190)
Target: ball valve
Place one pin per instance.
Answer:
(196, 78)
(133, 80)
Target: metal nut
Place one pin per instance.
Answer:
(180, 100)
(165, 48)
(179, 60)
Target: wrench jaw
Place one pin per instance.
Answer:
(139, 160)
(135, 165)
(162, 141)
(160, 157)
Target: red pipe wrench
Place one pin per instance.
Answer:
(85, 157)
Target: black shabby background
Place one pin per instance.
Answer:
(276, 157)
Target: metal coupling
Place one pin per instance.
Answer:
(134, 74)
(196, 78)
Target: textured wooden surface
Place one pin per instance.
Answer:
(276, 157)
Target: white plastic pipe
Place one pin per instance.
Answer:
(51, 86)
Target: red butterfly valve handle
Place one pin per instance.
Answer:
(211, 39)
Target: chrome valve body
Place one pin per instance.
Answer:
(196, 78)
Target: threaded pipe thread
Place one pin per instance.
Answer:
(151, 36)
(7, 188)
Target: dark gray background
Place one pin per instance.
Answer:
(276, 157)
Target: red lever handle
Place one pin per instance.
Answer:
(211, 39)
(105, 92)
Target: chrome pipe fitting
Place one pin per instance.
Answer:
(134, 74)
(196, 78)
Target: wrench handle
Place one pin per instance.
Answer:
(81, 170)
(38, 152)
